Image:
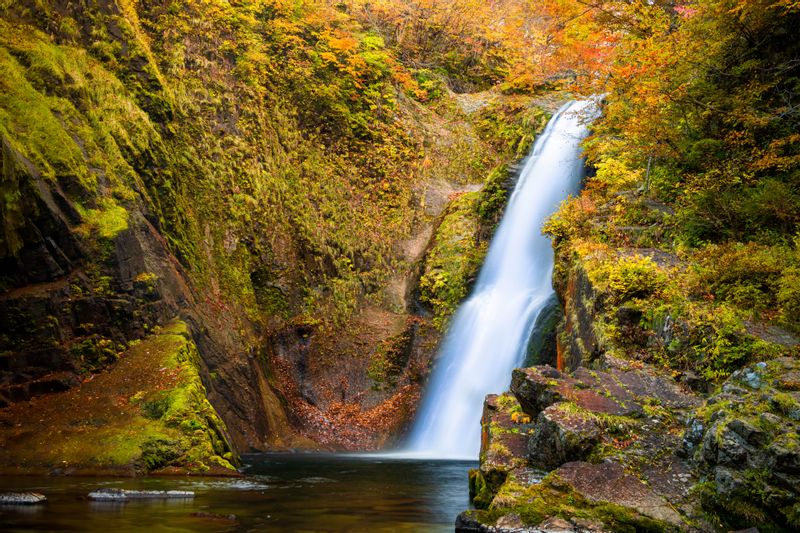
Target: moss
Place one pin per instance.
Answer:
(453, 260)
(106, 221)
(494, 195)
(535, 503)
(148, 411)
(158, 453)
(389, 359)
(483, 486)
(94, 353)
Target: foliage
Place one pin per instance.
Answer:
(626, 278)
(453, 260)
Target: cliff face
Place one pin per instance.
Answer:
(271, 176)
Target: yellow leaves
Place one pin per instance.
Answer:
(618, 174)
(780, 155)
(329, 57)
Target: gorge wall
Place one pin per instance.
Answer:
(268, 176)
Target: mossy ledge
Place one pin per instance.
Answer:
(148, 413)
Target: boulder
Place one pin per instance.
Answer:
(744, 445)
(504, 437)
(562, 434)
(536, 388)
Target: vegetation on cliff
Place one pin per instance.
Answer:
(264, 169)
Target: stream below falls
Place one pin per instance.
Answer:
(279, 492)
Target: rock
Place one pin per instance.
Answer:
(731, 449)
(693, 436)
(728, 481)
(503, 447)
(562, 435)
(556, 525)
(608, 482)
(785, 451)
(751, 434)
(466, 524)
(504, 435)
(535, 388)
(122, 495)
(215, 516)
(694, 381)
(588, 526)
(510, 521)
(22, 498)
(750, 452)
(628, 316)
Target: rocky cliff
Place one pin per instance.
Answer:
(657, 417)
(268, 176)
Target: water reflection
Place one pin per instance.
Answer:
(308, 493)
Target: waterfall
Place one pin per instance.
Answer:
(488, 335)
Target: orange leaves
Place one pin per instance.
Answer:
(344, 43)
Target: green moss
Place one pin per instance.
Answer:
(106, 221)
(535, 503)
(167, 423)
(389, 359)
(94, 353)
(453, 260)
(158, 453)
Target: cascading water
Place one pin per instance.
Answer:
(488, 336)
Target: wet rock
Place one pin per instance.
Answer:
(21, 498)
(122, 495)
(562, 435)
(215, 516)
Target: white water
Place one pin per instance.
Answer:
(488, 336)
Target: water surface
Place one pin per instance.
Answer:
(280, 492)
